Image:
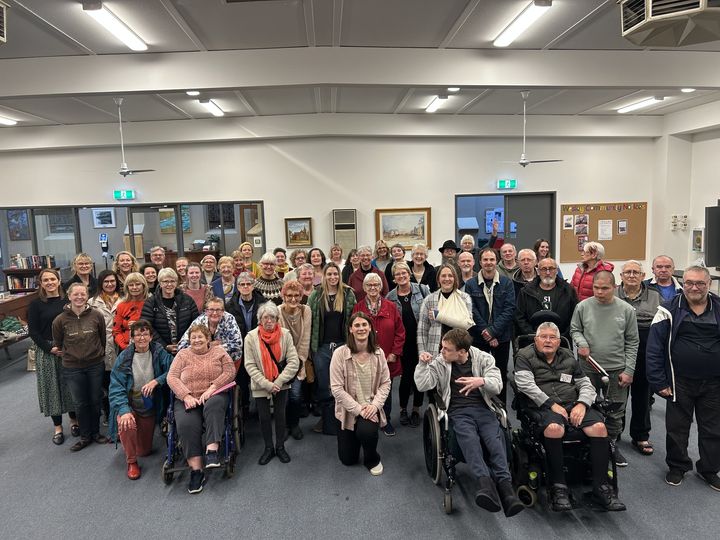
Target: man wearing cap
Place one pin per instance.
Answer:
(449, 251)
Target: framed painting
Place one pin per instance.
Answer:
(167, 219)
(103, 218)
(298, 232)
(18, 225)
(406, 226)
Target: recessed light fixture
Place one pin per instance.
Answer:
(640, 105)
(687, 90)
(212, 107)
(114, 25)
(435, 104)
(193, 93)
(453, 89)
(532, 12)
(7, 121)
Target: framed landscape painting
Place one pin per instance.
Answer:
(103, 218)
(298, 232)
(406, 226)
(18, 226)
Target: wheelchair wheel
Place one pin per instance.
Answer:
(230, 466)
(447, 503)
(167, 474)
(431, 443)
(527, 495)
(238, 426)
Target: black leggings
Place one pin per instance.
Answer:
(407, 381)
(106, 393)
(57, 418)
(263, 408)
(365, 436)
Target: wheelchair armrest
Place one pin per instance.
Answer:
(439, 402)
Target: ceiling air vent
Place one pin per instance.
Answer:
(3, 22)
(670, 23)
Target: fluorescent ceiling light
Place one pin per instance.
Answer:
(640, 105)
(7, 121)
(435, 104)
(210, 105)
(687, 90)
(453, 89)
(114, 25)
(193, 93)
(532, 12)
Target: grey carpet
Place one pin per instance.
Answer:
(47, 491)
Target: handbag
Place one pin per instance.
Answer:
(453, 312)
(280, 366)
(309, 371)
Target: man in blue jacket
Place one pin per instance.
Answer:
(683, 366)
(493, 302)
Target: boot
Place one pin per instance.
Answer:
(560, 498)
(510, 502)
(486, 497)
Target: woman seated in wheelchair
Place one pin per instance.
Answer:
(195, 377)
(467, 379)
(561, 395)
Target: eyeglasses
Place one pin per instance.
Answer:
(632, 273)
(696, 284)
(547, 338)
(244, 284)
(168, 282)
(214, 310)
(372, 285)
(547, 269)
(142, 335)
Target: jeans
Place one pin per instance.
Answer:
(387, 406)
(294, 403)
(321, 360)
(85, 385)
(476, 427)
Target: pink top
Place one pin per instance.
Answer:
(193, 374)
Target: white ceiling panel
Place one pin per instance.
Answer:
(369, 99)
(577, 101)
(24, 119)
(503, 101)
(686, 101)
(136, 107)
(62, 110)
(272, 101)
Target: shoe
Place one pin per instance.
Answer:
(58, 438)
(315, 410)
(133, 471)
(674, 477)
(414, 419)
(82, 443)
(389, 430)
(296, 433)
(560, 498)
(266, 456)
(100, 439)
(378, 469)
(282, 454)
(197, 481)
(105, 420)
(487, 496)
(404, 418)
(304, 411)
(620, 460)
(643, 447)
(604, 495)
(510, 502)
(712, 479)
(317, 428)
(74, 430)
(212, 461)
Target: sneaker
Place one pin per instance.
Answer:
(389, 430)
(377, 470)
(404, 418)
(712, 479)
(604, 495)
(197, 481)
(133, 471)
(212, 461)
(296, 433)
(414, 419)
(674, 477)
(282, 454)
(620, 460)
(560, 498)
(82, 443)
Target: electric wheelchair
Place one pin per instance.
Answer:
(233, 439)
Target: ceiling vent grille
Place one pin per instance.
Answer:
(3, 23)
(670, 23)
(633, 13)
(671, 7)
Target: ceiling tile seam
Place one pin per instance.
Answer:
(403, 101)
(95, 107)
(334, 91)
(309, 15)
(607, 103)
(246, 102)
(584, 20)
(458, 24)
(474, 100)
(183, 24)
(56, 29)
(545, 100)
(171, 105)
(43, 118)
(318, 99)
(338, 6)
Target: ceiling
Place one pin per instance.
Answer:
(58, 28)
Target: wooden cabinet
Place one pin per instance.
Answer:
(16, 305)
(21, 279)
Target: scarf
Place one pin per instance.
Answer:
(271, 340)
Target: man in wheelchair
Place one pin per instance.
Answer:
(561, 396)
(466, 379)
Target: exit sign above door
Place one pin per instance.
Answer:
(507, 184)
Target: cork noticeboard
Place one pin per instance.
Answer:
(621, 227)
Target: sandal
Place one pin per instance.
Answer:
(58, 438)
(643, 447)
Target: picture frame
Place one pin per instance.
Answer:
(405, 226)
(167, 219)
(103, 218)
(18, 225)
(698, 240)
(298, 232)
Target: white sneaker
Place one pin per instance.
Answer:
(377, 470)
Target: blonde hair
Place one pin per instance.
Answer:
(135, 277)
(133, 268)
(226, 259)
(324, 290)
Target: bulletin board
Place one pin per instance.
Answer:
(620, 227)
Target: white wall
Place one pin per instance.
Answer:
(305, 177)
(705, 186)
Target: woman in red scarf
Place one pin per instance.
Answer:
(272, 363)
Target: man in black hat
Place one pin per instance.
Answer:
(449, 251)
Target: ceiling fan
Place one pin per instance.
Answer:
(524, 161)
(125, 171)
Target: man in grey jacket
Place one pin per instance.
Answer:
(561, 395)
(606, 328)
(467, 379)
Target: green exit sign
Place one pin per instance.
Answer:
(507, 184)
(124, 194)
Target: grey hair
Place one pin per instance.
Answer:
(672, 261)
(363, 249)
(467, 237)
(268, 258)
(157, 248)
(420, 247)
(304, 266)
(597, 247)
(167, 273)
(372, 276)
(402, 265)
(245, 276)
(697, 268)
(527, 252)
(548, 326)
(631, 261)
(268, 308)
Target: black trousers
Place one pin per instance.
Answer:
(85, 385)
(501, 353)
(701, 396)
(266, 423)
(190, 424)
(365, 436)
(640, 396)
(407, 379)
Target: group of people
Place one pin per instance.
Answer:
(303, 333)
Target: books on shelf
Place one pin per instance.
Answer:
(33, 261)
(20, 283)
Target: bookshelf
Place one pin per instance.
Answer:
(21, 279)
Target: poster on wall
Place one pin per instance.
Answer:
(18, 225)
(568, 222)
(582, 224)
(405, 226)
(167, 219)
(581, 241)
(494, 214)
(103, 218)
(605, 229)
(622, 226)
(698, 240)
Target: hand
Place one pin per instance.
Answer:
(495, 227)
(391, 358)
(207, 394)
(172, 349)
(56, 351)
(487, 336)
(559, 410)
(369, 412)
(275, 388)
(190, 402)
(625, 380)
(426, 357)
(126, 421)
(148, 389)
(584, 351)
(665, 392)
(216, 343)
(470, 384)
(494, 343)
(577, 413)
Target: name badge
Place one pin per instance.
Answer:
(566, 377)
